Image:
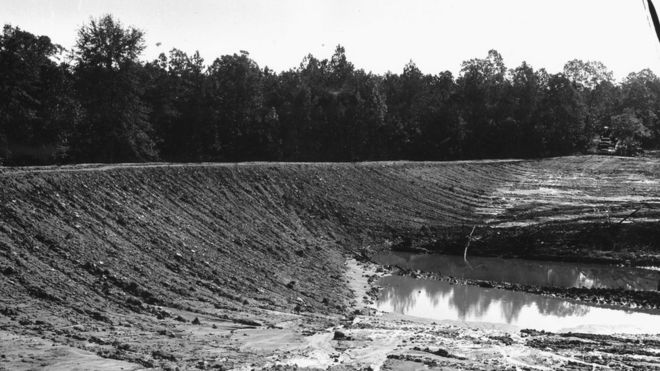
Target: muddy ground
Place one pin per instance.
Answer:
(244, 266)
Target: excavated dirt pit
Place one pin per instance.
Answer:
(250, 266)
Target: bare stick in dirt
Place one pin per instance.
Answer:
(468, 245)
(633, 213)
(630, 215)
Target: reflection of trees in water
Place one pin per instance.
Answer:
(530, 272)
(473, 302)
(401, 292)
(561, 308)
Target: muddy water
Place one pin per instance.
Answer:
(441, 301)
(528, 272)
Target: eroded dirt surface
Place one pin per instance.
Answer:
(240, 266)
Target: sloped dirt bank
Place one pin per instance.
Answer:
(120, 260)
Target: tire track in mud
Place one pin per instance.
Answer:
(577, 189)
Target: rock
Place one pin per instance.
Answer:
(97, 340)
(506, 339)
(196, 321)
(9, 312)
(159, 354)
(440, 352)
(248, 322)
(180, 319)
(123, 346)
(341, 336)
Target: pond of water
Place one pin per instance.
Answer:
(441, 301)
(528, 272)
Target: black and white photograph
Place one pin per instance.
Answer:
(329, 185)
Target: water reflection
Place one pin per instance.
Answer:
(442, 301)
(528, 272)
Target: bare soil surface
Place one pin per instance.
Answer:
(241, 266)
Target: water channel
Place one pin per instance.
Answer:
(440, 300)
(528, 272)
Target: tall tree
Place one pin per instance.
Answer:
(176, 94)
(368, 136)
(587, 75)
(560, 118)
(595, 84)
(115, 127)
(485, 107)
(527, 90)
(640, 98)
(36, 108)
(238, 128)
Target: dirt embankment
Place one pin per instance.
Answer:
(133, 249)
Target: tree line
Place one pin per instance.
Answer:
(100, 103)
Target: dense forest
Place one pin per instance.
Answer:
(99, 102)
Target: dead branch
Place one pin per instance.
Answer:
(630, 215)
(468, 245)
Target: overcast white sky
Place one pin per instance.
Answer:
(379, 35)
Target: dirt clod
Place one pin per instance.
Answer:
(339, 335)
(159, 354)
